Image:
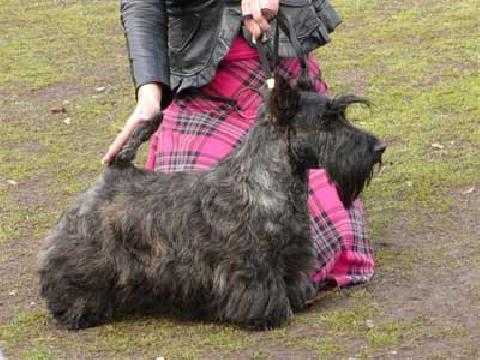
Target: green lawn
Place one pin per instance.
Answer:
(418, 61)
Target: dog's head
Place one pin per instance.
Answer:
(320, 135)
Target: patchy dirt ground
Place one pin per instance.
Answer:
(442, 287)
(418, 62)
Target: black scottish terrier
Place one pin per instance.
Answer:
(231, 243)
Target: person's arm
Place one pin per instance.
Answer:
(145, 27)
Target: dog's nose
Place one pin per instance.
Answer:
(380, 147)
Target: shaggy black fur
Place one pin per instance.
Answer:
(231, 243)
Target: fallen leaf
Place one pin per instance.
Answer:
(58, 110)
(438, 146)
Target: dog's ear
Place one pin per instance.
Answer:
(338, 106)
(284, 101)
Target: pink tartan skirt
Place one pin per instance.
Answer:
(200, 130)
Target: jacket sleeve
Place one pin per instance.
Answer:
(145, 28)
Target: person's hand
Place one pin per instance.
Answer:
(149, 98)
(257, 14)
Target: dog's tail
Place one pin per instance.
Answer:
(141, 134)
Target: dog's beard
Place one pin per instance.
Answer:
(351, 180)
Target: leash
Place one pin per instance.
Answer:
(269, 58)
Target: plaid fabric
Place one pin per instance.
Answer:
(338, 234)
(198, 131)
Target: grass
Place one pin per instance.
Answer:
(418, 64)
(416, 60)
(174, 339)
(56, 43)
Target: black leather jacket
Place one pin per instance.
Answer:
(179, 43)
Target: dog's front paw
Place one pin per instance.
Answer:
(273, 320)
(300, 293)
(262, 305)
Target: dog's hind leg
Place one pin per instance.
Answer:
(76, 278)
